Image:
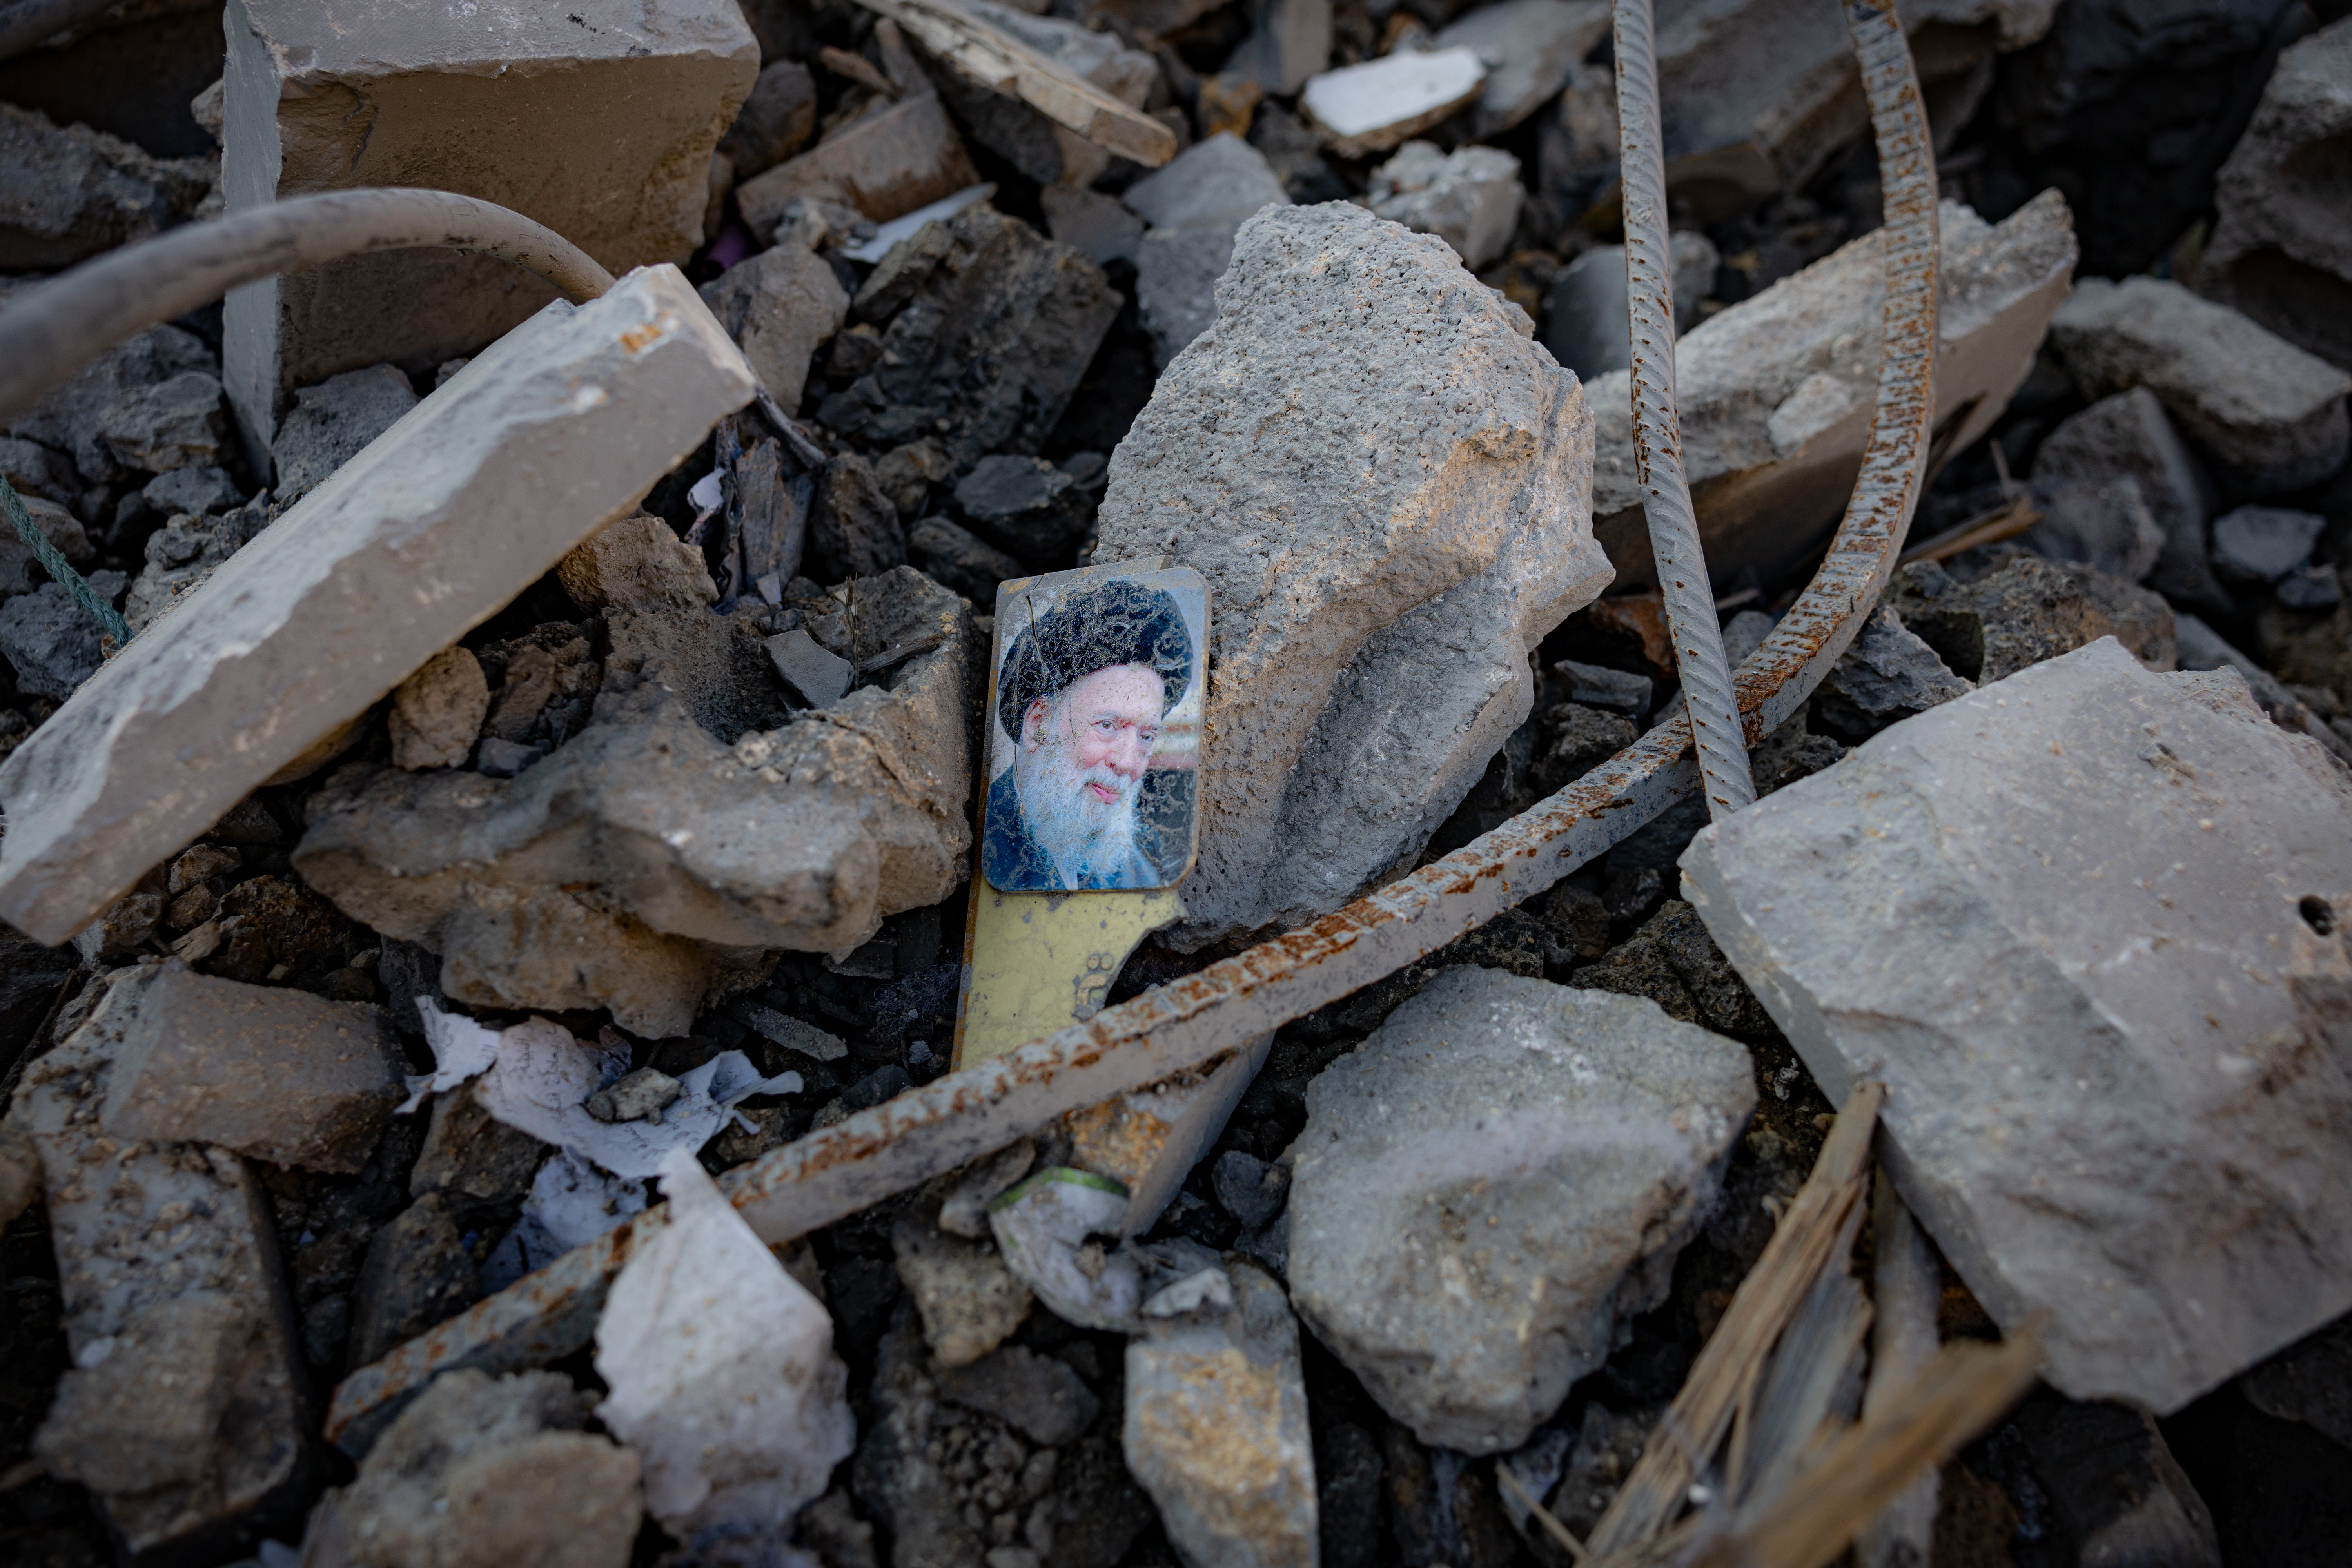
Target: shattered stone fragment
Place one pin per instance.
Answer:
(1496, 1132)
(884, 166)
(636, 562)
(333, 422)
(276, 1074)
(2263, 543)
(817, 677)
(437, 713)
(199, 709)
(1040, 147)
(1886, 674)
(855, 532)
(414, 112)
(175, 423)
(2029, 611)
(2259, 407)
(1196, 205)
(779, 307)
(2128, 436)
(1372, 691)
(50, 641)
(1372, 107)
(472, 1155)
(2104, 526)
(60, 527)
(1586, 323)
(485, 1472)
(721, 1370)
(418, 1273)
(1530, 48)
(1215, 1426)
(968, 1301)
(777, 118)
(1041, 1398)
(2034, 912)
(1775, 394)
(69, 193)
(690, 849)
(66, 418)
(1289, 41)
(1469, 198)
(184, 1411)
(961, 559)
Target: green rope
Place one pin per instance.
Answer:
(55, 565)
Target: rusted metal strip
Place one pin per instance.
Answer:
(1193, 1022)
(1657, 433)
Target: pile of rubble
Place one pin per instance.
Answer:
(538, 797)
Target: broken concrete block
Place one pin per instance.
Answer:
(1213, 183)
(1530, 48)
(2102, 524)
(721, 1370)
(961, 559)
(1215, 1426)
(2080, 923)
(333, 422)
(417, 1274)
(779, 307)
(2127, 436)
(1360, 696)
(471, 1155)
(437, 713)
(635, 563)
(1038, 1396)
(481, 1472)
(1469, 198)
(970, 1302)
(1036, 510)
(1289, 41)
(984, 355)
(227, 687)
(817, 677)
(35, 473)
(1373, 106)
(856, 530)
(1037, 145)
(51, 642)
(167, 1258)
(67, 193)
(2282, 244)
(57, 525)
(1096, 225)
(66, 418)
(318, 103)
(1886, 675)
(2263, 543)
(197, 489)
(777, 118)
(1775, 394)
(171, 424)
(2029, 611)
(884, 165)
(276, 1074)
(1493, 1184)
(687, 855)
(2271, 415)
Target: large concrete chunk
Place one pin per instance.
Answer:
(1491, 1187)
(68, 192)
(184, 1412)
(781, 306)
(279, 1075)
(1530, 48)
(649, 862)
(2086, 925)
(1776, 393)
(2258, 406)
(1384, 482)
(2127, 437)
(596, 117)
(2282, 247)
(554, 431)
(1196, 205)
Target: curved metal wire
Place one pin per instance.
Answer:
(1699, 657)
(1196, 1021)
(49, 332)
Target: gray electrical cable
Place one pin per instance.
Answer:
(29, 22)
(50, 332)
(1657, 436)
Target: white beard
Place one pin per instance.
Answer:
(1084, 837)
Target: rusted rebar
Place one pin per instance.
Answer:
(1699, 657)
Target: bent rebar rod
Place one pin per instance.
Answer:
(1192, 1021)
(1657, 434)
(49, 332)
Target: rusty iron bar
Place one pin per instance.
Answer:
(1193, 1022)
(1682, 577)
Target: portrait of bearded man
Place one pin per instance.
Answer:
(1084, 692)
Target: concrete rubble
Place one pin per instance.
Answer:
(1194, 207)
(1424, 1201)
(1530, 48)
(1488, 544)
(1373, 106)
(2062, 1108)
(1470, 199)
(2127, 436)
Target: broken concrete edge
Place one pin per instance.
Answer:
(79, 836)
(1192, 1022)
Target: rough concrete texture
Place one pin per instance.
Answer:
(2128, 436)
(2281, 244)
(1195, 205)
(333, 422)
(484, 1473)
(1041, 149)
(226, 688)
(172, 425)
(1215, 1428)
(50, 641)
(1886, 675)
(970, 1302)
(1530, 48)
(2261, 408)
(2103, 524)
(18, 570)
(69, 193)
(779, 306)
(1469, 198)
(884, 166)
(2029, 611)
(777, 118)
(184, 1412)
(636, 562)
(989, 347)
(650, 861)
(276, 1074)
(1040, 1397)
(2112, 1039)
(1374, 615)
(604, 114)
(1775, 394)
(1491, 1187)
(66, 419)
(437, 713)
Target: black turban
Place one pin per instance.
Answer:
(1121, 622)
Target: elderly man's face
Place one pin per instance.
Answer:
(1109, 719)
